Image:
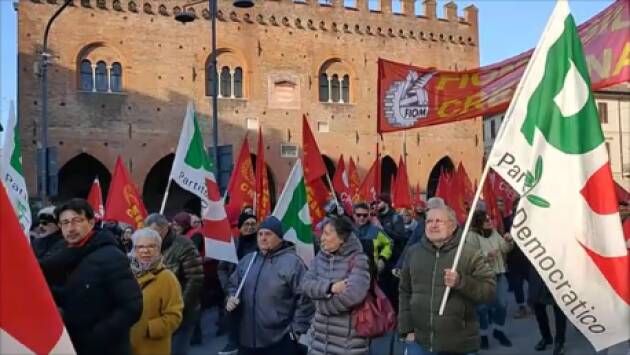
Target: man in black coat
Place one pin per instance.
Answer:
(99, 299)
(48, 239)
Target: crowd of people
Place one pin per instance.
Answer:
(125, 291)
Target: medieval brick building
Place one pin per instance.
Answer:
(123, 71)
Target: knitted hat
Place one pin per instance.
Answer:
(244, 217)
(47, 214)
(273, 224)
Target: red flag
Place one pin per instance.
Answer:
(314, 166)
(29, 320)
(368, 191)
(95, 199)
(443, 189)
(263, 200)
(402, 193)
(492, 207)
(314, 171)
(502, 191)
(341, 184)
(242, 186)
(123, 200)
(354, 178)
(461, 194)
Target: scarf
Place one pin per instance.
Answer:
(140, 268)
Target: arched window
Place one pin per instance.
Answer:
(323, 88)
(334, 86)
(115, 80)
(101, 76)
(238, 82)
(209, 86)
(86, 82)
(345, 89)
(226, 82)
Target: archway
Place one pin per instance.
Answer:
(444, 164)
(330, 165)
(272, 180)
(77, 175)
(155, 186)
(388, 171)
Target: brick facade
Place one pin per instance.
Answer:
(281, 47)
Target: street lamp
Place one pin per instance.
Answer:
(188, 16)
(42, 144)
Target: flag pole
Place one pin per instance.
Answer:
(332, 190)
(168, 187)
(464, 233)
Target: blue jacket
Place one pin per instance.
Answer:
(271, 301)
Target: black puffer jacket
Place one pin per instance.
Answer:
(47, 246)
(182, 258)
(100, 299)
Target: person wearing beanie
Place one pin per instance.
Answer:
(245, 243)
(271, 310)
(48, 238)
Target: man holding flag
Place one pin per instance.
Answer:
(551, 149)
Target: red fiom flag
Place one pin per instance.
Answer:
(368, 191)
(341, 184)
(29, 320)
(492, 207)
(123, 200)
(263, 200)
(95, 199)
(402, 193)
(314, 172)
(354, 178)
(242, 186)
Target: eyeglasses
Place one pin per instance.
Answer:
(249, 224)
(437, 221)
(361, 215)
(146, 247)
(75, 220)
(45, 223)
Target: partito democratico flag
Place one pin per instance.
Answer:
(551, 150)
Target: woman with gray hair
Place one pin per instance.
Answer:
(161, 296)
(337, 282)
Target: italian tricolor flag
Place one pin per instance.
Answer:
(292, 210)
(12, 173)
(193, 170)
(551, 149)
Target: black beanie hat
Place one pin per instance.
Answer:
(244, 217)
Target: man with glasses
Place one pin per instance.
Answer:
(425, 274)
(99, 298)
(376, 244)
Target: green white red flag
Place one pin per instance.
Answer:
(29, 320)
(552, 151)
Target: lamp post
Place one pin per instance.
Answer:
(187, 16)
(42, 143)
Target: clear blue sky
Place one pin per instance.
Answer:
(507, 28)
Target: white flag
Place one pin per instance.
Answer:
(551, 150)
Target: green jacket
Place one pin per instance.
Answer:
(421, 289)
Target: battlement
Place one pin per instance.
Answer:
(320, 15)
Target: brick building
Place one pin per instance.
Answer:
(123, 70)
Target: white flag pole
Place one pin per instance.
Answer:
(168, 187)
(240, 286)
(332, 190)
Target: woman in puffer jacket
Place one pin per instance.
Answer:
(337, 281)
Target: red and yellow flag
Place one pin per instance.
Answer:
(123, 200)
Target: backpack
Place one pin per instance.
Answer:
(375, 316)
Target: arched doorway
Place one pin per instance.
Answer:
(155, 186)
(444, 164)
(77, 175)
(388, 171)
(272, 181)
(330, 165)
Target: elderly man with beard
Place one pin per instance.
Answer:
(245, 244)
(426, 273)
(48, 238)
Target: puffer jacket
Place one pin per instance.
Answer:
(182, 258)
(421, 290)
(271, 302)
(332, 331)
